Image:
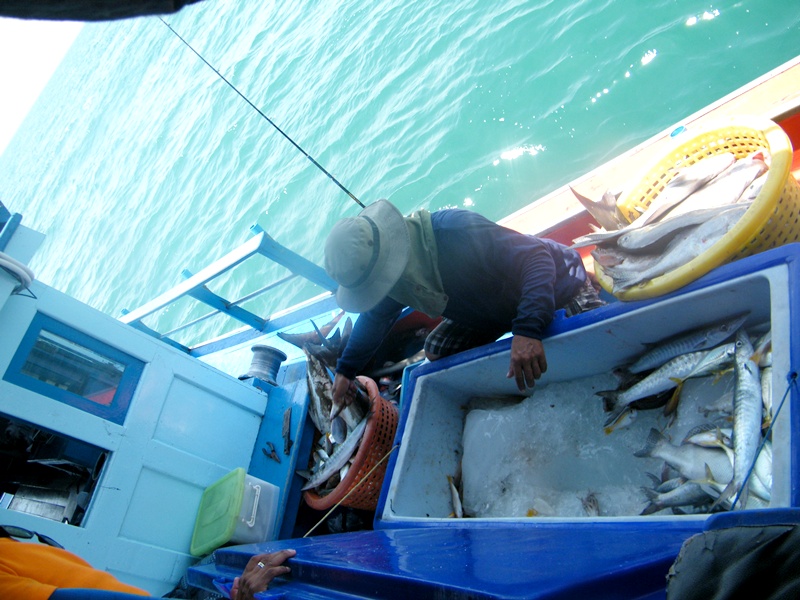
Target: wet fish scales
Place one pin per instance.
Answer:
(688, 341)
(689, 460)
(687, 494)
(320, 392)
(339, 458)
(747, 411)
(685, 183)
(709, 435)
(651, 237)
(458, 511)
(727, 187)
(686, 246)
(766, 395)
(662, 379)
(681, 186)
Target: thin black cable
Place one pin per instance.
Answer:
(233, 87)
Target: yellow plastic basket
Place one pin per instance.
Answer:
(772, 220)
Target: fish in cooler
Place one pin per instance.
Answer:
(693, 340)
(747, 411)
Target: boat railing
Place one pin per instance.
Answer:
(196, 286)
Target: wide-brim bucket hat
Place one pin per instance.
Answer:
(367, 254)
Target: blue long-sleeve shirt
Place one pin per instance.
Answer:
(496, 279)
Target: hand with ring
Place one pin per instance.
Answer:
(261, 569)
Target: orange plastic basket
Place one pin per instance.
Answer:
(771, 221)
(376, 443)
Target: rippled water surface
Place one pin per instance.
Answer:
(139, 161)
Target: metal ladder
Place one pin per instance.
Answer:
(196, 286)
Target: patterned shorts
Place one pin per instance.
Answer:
(587, 298)
(449, 337)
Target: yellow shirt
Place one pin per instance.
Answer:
(34, 571)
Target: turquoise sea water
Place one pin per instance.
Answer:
(138, 161)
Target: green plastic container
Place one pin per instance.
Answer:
(239, 509)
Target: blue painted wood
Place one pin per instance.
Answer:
(145, 329)
(9, 227)
(291, 395)
(186, 426)
(310, 310)
(206, 296)
(291, 260)
(116, 410)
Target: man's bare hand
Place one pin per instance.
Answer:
(527, 361)
(344, 392)
(261, 569)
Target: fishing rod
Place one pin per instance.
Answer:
(270, 121)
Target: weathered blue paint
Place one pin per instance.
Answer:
(9, 226)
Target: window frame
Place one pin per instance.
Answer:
(117, 410)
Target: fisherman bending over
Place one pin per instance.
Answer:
(484, 279)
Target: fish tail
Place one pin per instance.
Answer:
(655, 479)
(726, 495)
(651, 508)
(625, 280)
(609, 400)
(743, 497)
(615, 416)
(650, 493)
(296, 339)
(653, 439)
(626, 377)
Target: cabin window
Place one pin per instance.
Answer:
(70, 366)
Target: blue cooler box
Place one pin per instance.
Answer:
(564, 455)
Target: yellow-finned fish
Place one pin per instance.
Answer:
(695, 340)
(662, 379)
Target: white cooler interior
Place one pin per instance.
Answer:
(540, 458)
